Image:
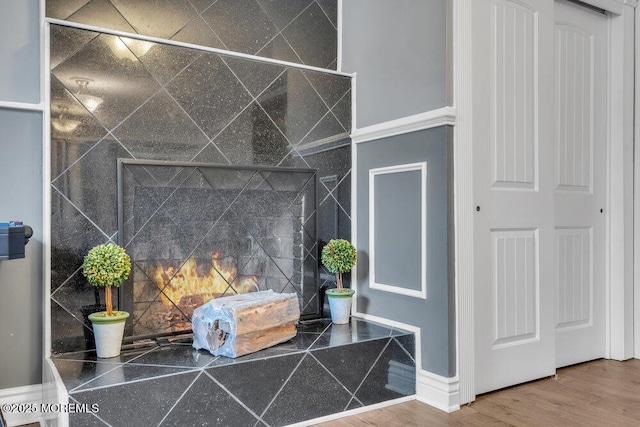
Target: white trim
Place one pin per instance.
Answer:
(30, 395)
(354, 112)
(354, 221)
(399, 325)
(432, 389)
(463, 196)
(431, 119)
(46, 192)
(395, 289)
(350, 412)
(60, 396)
(192, 46)
(339, 54)
(438, 391)
(619, 208)
(619, 266)
(636, 201)
(21, 106)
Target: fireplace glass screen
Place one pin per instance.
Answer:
(201, 231)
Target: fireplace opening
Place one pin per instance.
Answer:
(201, 231)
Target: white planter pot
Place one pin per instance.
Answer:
(108, 332)
(340, 305)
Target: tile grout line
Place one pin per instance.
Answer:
(404, 349)
(333, 376)
(282, 387)
(181, 397)
(93, 414)
(138, 380)
(372, 366)
(233, 396)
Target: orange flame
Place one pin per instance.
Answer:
(188, 281)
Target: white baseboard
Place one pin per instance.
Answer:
(30, 396)
(352, 412)
(434, 390)
(437, 391)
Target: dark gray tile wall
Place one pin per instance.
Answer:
(163, 102)
(325, 369)
(258, 223)
(301, 31)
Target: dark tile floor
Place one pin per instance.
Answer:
(325, 369)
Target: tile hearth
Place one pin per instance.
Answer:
(325, 369)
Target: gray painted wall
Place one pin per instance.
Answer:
(19, 51)
(21, 281)
(21, 284)
(399, 50)
(435, 315)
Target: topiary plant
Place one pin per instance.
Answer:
(339, 256)
(107, 266)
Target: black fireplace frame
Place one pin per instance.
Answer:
(127, 303)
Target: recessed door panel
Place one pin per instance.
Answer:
(514, 65)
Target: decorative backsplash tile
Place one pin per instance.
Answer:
(114, 97)
(302, 31)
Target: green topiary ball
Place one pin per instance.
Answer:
(339, 256)
(106, 265)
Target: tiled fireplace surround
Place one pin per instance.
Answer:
(195, 110)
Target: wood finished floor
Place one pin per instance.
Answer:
(598, 393)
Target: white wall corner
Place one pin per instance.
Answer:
(437, 391)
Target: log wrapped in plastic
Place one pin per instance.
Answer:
(244, 323)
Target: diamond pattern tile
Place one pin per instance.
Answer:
(160, 394)
(101, 13)
(242, 25)
(342, 111)
(395, 369)
(330, 87)
(67, 332)
(65, 42)
(101, 60)
(326, 129)
(175, 355)
(211, 154)
(158, 18)
(293, 105)
(62, 9)
(163, 61)
(330, 8)
(85, 419)
(182, 386)
(313, 37)
(201, 5)
(69, 145)
(252, 138)
(209, 93)
(267, 377)
(195, 407)
(90, 184)
(199, 32)
(129, 373)
(282, 12)
(160, 129)
(346, 363)
(69, 249)
(279, 48)
(255, 75)
(266, 28)
(165, 102)
(326, 396)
